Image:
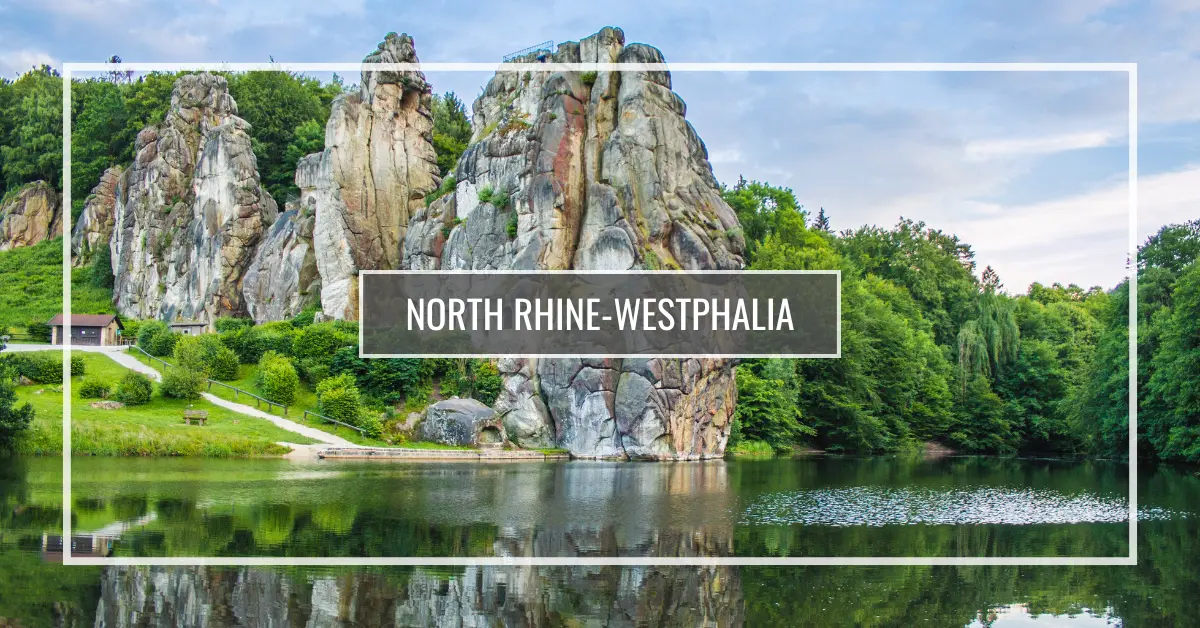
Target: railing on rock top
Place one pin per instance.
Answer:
(548, 46)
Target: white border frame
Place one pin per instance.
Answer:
(551, 356)
(1129, 69)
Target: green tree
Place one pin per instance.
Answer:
(451, 130)
(31, 148)
(14, 419)
(277, 105)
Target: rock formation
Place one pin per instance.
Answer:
(282, 279)
(476, 597)
(95, 225)
(594, 171)
(190, 210)
(463, 422)
(29, 216)
(377, 167)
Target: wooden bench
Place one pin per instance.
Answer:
(199, 417)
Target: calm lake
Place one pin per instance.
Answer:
(818, 506)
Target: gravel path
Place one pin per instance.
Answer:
(118, 355)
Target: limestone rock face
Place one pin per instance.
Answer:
(281, 280)
(30, 216)
(377, 167)
(465, 422)
(95, 226)
(596, 171)
(190, 210)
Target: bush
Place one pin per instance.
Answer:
(94, 388)
(231, 323)
(134, 389)
(182, 383)
(341, 404)
(277, 379)
(511, 227)
(38, 331)
(189, 354)
(339, 399)
(14, 419)
(156, 338)
(206, 354)
(321, 340)
(588, 78)
(305, 318)
(45, 367)
(487, 382)
(370, 423)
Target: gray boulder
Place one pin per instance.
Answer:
(463, 422)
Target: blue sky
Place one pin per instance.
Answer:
(1030, 169)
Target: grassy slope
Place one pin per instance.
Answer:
(32, 288)
(153, 429)
(306, 399)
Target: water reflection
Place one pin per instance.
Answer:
(770, 508)
(1160, 591)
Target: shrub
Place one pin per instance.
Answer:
(321, 341)
(222, 362)
(208, 355)
(314, 370)
(134, 389)
(182, 383)
(45, 367)
(231, 323)
(588, 78)
(277, 379)
(487, 382)
(250, 343)
(344, 380)
(305, 318)
(38, 331)
(14, 419)
(511, 227)
(189, 354)
(341, 404)
(370, 423)
(485, 194)
(445, 188)
(156, 338)
(94, 388)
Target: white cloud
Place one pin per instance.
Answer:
(1033, 146)
(18, 61)
(1082, 238)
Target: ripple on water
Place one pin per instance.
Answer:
(880, 506)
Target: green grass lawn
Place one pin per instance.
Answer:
(153, 429)
(306, 399)
(33, 287)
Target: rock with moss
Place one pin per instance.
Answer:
(30, 215)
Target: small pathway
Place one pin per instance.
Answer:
(119, 356)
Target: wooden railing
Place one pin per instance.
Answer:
(329, 420)
(237, 392)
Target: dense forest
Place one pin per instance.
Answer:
(934, 349)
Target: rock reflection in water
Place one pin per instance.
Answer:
(469, 597)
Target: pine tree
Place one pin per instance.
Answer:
(822, 223)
